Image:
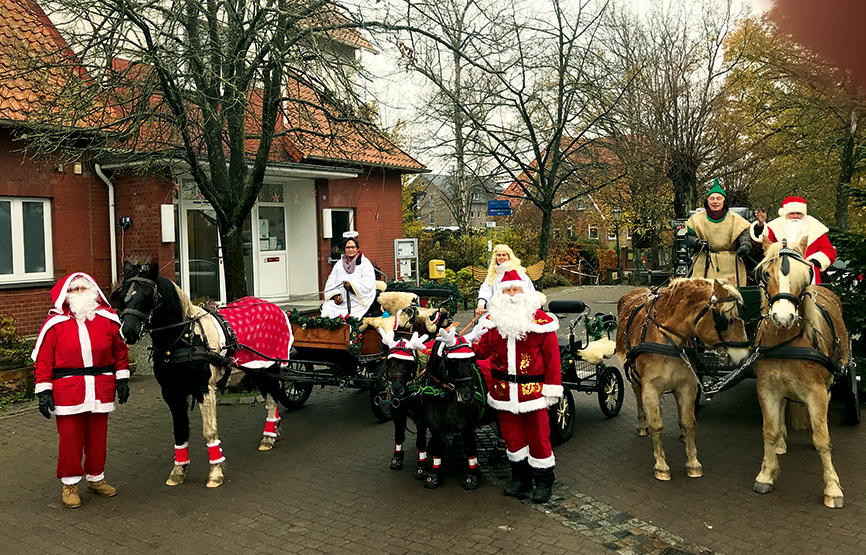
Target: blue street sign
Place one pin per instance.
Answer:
(498, 208)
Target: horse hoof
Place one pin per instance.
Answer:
(643, 432)
(177, 476)
(396, 464)
(663, 475)
(470, 481)
(781, 450)
(420, 472)
(215, 483)
(432, 481)
(694, 472)
(267, 444)
(760, 487)
(834, 502)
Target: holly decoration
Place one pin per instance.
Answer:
(598, 325)
(305, 322)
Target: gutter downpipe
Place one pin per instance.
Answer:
(112, 233)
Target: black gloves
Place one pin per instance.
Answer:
(46, 403)
(743, 251)
(122, 387)
(699, 244)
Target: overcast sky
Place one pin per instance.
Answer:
(397, 91)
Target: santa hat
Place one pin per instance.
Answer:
(510, 279)
(793, 204)
(58, 292)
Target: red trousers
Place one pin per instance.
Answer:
(528, 429)
(81, 435)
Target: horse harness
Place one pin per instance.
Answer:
(690, 347)
(190, 346)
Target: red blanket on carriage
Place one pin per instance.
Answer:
(261, 325)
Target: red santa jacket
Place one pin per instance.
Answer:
(65, 343)
(819, 250)
(523, 372)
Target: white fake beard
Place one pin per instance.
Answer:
(83, 305)
(792, 232)
(513, 315)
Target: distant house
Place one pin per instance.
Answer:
(434, 205)
(87, 216)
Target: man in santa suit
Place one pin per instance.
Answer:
(793, 224)
(524, 379)
(80, 362)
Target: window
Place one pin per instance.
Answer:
(570, 232)
(611, 234)
(25, 240)
(564, 203)
(592, 232)
(628, 234)
(581, 203)
(432, 219)
(342, 220)
(431, 202)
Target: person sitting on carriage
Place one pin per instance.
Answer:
(792, 224)
(351, 287)
(523, 379)
(502, 260)
(81, 361)
(719, 238)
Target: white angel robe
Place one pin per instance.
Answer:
(363, 281)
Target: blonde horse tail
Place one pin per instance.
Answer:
(797, 416)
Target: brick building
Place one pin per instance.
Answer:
(89, 215)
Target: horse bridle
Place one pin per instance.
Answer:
(784, 259)
(402, 352)
(145, 318)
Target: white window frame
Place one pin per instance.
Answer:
(592, 231)
(611, 234)
(18, 274)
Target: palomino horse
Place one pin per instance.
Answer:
(404, 372)
(187, 361)
(655, 341)
(801, 344)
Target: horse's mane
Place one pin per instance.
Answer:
(171, 297)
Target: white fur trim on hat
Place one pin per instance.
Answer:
(792, 205)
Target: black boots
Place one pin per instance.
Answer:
(521, 479)
(543, 483)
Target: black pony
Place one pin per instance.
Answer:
(404, 373)
(454, 403)
(187, 360)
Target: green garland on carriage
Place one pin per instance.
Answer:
(324, 322)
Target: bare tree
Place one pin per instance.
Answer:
(535, 110)
(203, 82)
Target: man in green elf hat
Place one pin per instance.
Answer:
(718, 238)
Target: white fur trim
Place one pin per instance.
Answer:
(121, 375)
(547, 462)
(97, 478)
(44, 386)
(550, 390)
(753, 227)
(518, 455)
(422, 455)
(544, 328)
(179, 447)
(792, 207)
(71, 480)
(822, 259)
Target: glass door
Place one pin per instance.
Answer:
(204, 264)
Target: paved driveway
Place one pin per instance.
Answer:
(326, 487)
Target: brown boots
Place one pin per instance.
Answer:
(70, 496)
(101, 488)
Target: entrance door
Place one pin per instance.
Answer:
(204, 264)
(273, 256)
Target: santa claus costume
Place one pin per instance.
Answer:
(80, 361)
(819, 251)
(524, 379)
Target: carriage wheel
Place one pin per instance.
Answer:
(852, 397)
(610, 391)
(381, 410)
(562, 418)
(296, 394)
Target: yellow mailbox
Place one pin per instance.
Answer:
(437, 269)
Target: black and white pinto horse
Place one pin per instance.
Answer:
(404, 373)
(194, 351)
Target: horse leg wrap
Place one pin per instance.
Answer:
(181, 454)
(215, 452)
(271, 427)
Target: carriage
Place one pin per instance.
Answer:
(580, 374)
(342, 356)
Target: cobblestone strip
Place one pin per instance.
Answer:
(601, 523)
